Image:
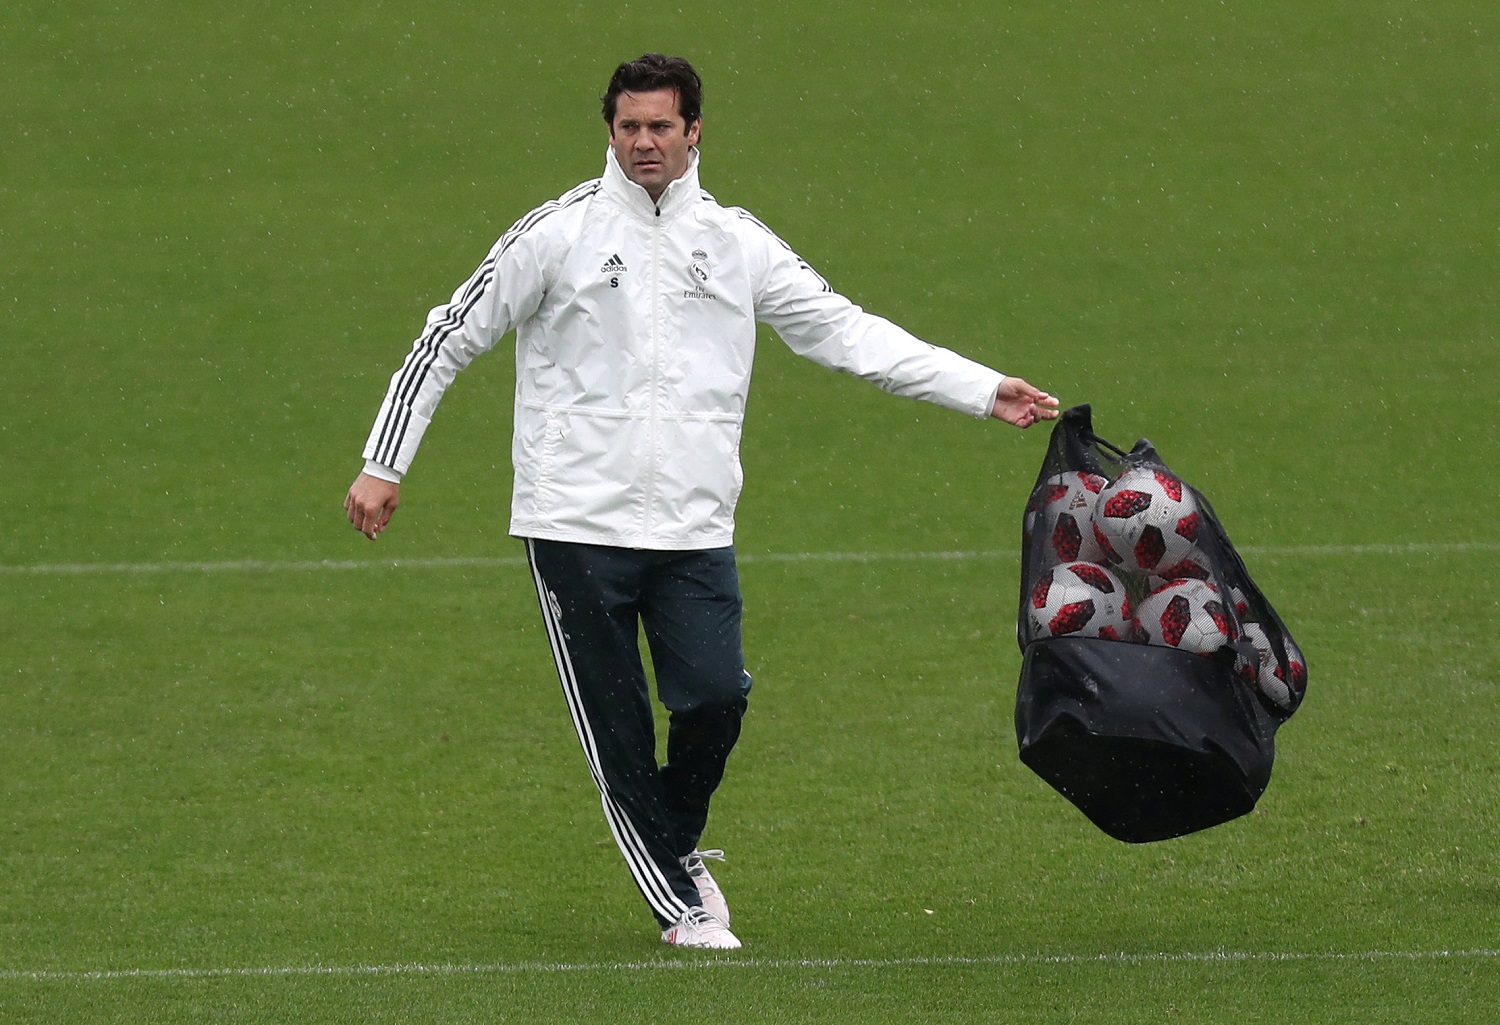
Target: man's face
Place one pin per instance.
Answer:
(651, 140)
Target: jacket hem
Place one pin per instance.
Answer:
(608, 539)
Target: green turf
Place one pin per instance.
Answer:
(242, 785)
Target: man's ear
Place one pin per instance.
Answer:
(694, 132)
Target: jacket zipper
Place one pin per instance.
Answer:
(653, 437)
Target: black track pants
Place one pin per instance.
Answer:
(595, 602)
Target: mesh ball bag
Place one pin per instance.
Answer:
(1154, 671)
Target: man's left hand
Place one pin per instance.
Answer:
(1020, 404)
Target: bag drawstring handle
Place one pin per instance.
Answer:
(1094, 439)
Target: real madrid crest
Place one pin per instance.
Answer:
(700, 271)
(699, 268)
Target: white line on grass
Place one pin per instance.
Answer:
(781, 964)
(487, 562)
(258, 566)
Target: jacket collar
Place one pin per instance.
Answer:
(677, 197)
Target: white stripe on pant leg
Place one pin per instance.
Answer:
(648, 878)
(647, 875)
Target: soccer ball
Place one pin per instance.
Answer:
(1147, 520)
(1189, 615)
(1080, 599)
(1063, 507)
(1240, 602)
(1284, 689)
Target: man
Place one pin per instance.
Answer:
(635, 298)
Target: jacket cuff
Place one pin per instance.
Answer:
(382, 471)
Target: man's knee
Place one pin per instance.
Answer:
(708, 697)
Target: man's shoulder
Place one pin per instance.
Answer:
(735, 219)
(582, 191)
(552, 215)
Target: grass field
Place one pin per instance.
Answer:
(254, 768)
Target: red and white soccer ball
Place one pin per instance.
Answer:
(1062, 509)
(1283, 688)
(1080, 599)
(1240, 603)
(1189, 615)
(1147, 520)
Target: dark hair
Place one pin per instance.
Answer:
(653, 71)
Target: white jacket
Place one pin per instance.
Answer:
(635, 334)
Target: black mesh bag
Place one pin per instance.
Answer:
(1154, 673)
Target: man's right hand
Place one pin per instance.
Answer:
(370, 503)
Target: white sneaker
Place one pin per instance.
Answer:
(708, 890)
(699, 930)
